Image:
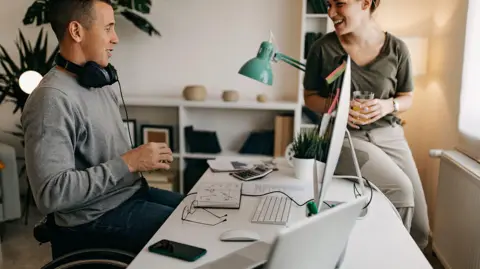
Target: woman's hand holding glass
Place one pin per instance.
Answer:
(367, 111)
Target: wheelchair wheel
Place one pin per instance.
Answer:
(92, 259)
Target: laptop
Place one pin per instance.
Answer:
(316, 242)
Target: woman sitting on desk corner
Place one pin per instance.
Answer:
(380, 64)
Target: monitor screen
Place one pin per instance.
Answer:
(335, 132)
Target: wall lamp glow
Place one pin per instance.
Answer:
(418, 48)
(29, 80)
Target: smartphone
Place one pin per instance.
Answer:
(177, 250)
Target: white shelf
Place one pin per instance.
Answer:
(229, 154)
(316, 16)
(208, 103)
(307, 125)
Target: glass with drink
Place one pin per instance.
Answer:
(362, 96)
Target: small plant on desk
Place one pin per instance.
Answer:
(305, 148)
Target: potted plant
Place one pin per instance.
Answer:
(130, 10)
(304, 150)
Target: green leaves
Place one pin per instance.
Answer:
(140, 22)
(142, 6)
(37, 13)
(306, 145)
(30, 58)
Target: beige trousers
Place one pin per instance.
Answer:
(385, 159)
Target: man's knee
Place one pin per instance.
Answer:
(165, 197)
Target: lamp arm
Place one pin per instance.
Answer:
(282, 57)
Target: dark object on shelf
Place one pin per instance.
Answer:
(318, 6)
(194, 170)
(310, 38)
(261, 143)
(202, 141)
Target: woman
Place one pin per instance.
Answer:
(380, 64)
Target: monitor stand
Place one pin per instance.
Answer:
(330, 204)
(358, 173)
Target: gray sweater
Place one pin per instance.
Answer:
(74, 138)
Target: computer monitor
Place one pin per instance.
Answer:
(340, 119)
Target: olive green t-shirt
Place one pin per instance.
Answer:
(389, 73)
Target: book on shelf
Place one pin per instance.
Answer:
(283, 134)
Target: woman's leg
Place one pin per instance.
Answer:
(392, 141)
(379, 168)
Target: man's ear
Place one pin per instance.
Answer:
(76, 31)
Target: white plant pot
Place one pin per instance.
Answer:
(303, 168)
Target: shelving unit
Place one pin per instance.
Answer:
(311, 22)
(233, 121)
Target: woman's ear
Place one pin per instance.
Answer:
(366, 4)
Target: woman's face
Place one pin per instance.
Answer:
(347, 15)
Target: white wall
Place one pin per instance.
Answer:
(206, 42)
(203, 42)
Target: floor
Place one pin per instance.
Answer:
(20, 250)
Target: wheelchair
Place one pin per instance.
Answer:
(82, 255)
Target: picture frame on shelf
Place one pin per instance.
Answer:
(157, 134)
(131, 125)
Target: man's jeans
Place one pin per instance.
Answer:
(128, 227)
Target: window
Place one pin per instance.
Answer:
(469, 117)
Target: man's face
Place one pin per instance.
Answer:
(99, 39)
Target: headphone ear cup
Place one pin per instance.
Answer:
(113, 73)
(94, 76)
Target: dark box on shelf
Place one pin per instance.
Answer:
(202, 141)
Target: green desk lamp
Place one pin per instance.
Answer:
(260, 69)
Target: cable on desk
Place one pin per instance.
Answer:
(355, 190)
(263, 194)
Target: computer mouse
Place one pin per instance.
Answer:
(239, 236)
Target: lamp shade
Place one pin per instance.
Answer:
(29, 80)
(260, 68)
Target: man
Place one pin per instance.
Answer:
(80, 165)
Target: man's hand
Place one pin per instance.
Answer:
(148, 157)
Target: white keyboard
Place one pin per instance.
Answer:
(272, 210)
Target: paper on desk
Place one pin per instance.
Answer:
(298, 192)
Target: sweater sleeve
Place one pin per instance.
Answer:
(50, 124)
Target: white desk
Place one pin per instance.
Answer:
(377, 241)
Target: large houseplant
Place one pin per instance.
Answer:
(129, 9)
(31, 57)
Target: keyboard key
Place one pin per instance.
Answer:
(272, 210)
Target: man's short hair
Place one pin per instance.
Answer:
(62, 12)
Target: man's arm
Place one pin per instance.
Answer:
(50, 128)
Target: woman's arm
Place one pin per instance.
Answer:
(404, 100)
(314, 101)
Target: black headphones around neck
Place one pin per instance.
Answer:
(91, 75)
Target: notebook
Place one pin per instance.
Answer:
(219, 195)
